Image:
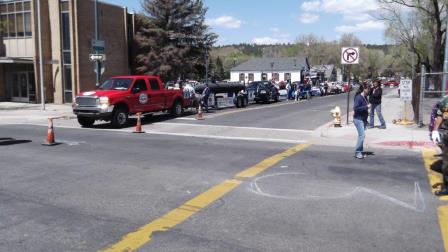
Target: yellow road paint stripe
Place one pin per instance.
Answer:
(443, 221)
(435, 178)
(269, 162)
(143, 235)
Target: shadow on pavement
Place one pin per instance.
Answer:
(12, 141)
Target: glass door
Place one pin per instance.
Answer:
(20, 87)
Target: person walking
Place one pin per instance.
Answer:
(326, 88)
(288, 89)
(205, 95)
(375, 100)
(361, 108)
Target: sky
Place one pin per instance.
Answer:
(283, 21)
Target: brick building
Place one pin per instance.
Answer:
(68, 29)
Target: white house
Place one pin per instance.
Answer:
(277, 69)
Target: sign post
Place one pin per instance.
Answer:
(405, 95)
(349, 56)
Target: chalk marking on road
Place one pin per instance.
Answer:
(143, 235)
(434, 178)
(236, 127)
(443, 222)
(418, 205)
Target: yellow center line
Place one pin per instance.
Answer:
(143, 235)
(443, 221)
(435, 178)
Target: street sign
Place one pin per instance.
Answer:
(98, 46)
(97, 57)
(350, 55)
(406, 90)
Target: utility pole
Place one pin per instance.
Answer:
(206, 64)
(445, 63)
(41, 58)
(97, 37)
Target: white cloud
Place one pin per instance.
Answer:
(311, 6)
(228, 22)
(266, 41)
(309, 18)
(361, 27)
(349, 6)
(358, 17)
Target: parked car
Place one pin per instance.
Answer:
(121, 96)
(316, 91)
(391, 83)
(263, 91)
(335, 88)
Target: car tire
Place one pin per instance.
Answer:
(239, 102)
(86, 122)
(245, 102)
(177, 109)
(120, 118)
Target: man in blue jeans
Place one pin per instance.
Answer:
(375, 101)
(361, 109)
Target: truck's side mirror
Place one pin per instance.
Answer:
(136, 90)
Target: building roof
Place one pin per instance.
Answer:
(273, 64)
(327, 69)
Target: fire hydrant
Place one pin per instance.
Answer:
(336, 113)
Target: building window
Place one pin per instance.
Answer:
(66, 51)
(242, 77)
(251, 77)
(287, 76)
(15, 19)
(275, 76)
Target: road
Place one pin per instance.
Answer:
(110, 189)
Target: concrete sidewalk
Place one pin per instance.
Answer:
(18, 113)
(394, 136)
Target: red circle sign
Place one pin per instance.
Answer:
(350, 55)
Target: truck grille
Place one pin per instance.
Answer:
(86, 101)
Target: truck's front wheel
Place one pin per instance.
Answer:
(120, 118)
(86, 121)
(176, 110)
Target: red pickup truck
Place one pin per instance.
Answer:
(121, 96)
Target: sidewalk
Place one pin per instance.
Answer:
(16, 113)
(394, 136)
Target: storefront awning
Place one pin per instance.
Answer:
(4, 60)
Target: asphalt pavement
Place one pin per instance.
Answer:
(250, 179)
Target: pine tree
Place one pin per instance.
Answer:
(219, 69)
(172, 38)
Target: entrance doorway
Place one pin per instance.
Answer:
(23, 89)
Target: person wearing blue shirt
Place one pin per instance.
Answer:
(361, 108)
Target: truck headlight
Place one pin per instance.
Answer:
(104, 100)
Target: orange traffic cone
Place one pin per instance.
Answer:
(138, 127)
(50, 134)
(199, 116)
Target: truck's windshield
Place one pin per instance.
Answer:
(116, 84)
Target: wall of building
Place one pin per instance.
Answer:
(19, 47)
(46, 50)
(112, 22)
(2, 86)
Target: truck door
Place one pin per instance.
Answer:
(139, 97)
(156, 96)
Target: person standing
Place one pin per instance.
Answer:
(205, 95)
(439, 135)
(288, 89)
(361, 108)
(375, 100)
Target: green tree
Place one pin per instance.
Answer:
(172, 39)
